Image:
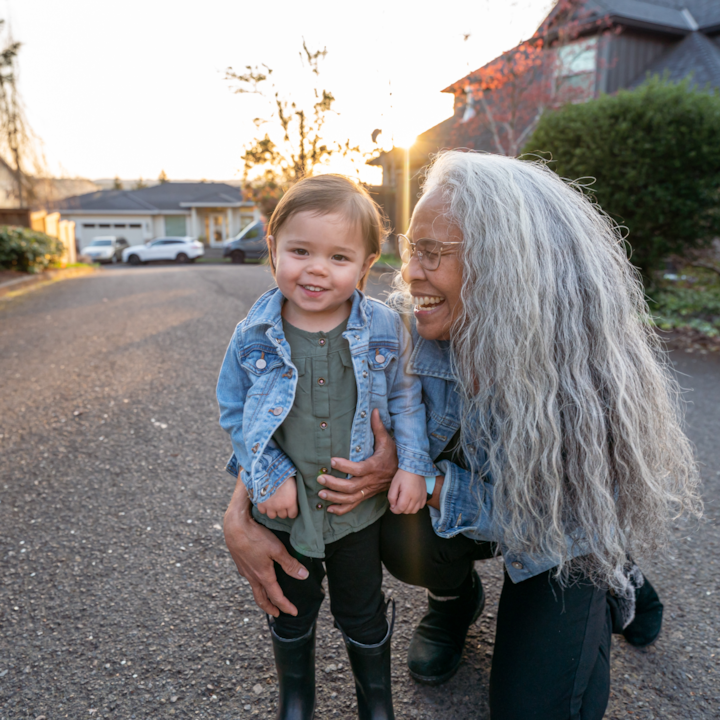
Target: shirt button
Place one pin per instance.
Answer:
(323, 425)
(323, 470)
(363, 414)
(322, 341)
(321, 381)
(517, 565)
(319, 506)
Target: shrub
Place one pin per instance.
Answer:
(27, 250)
(655, 156)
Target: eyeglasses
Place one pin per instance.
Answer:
(428, 251)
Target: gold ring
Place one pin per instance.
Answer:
(363, 493)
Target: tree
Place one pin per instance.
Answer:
(117, 183)
(162, 177)
(506, 98)
(140, 184)
(16, 137)
(655, 157)
(293, 144)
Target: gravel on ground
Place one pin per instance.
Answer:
(118, 596)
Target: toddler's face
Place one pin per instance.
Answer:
(319, 260)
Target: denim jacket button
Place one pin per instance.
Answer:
(276, 411)
(364, 373)
(260, 364)
(263, 492)
(255, 447)
(380, 358)
(357, 448)
(517, 565)
(363, 414)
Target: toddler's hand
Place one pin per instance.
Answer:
(408, 493)
(283, 503)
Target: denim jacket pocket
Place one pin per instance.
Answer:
(379, 360)
(260, 366)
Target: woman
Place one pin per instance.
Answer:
(551, 419)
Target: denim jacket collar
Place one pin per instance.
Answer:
(431, 357)
(268, 311)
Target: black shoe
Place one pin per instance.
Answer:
(371, 669)
(436, 647)
(646, 626)
(295, 663)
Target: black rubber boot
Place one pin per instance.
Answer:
(371, 669)
(436, 647)
(295, 663)
(645, 627)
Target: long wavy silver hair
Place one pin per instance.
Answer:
(562, 378)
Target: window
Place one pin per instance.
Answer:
(575, 73)
(175, 225)
(252, 233)
(100, 243)
(88, 225)
(119, 225)
(135, 225)
(104, 225)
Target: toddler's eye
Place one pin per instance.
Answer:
(300, 251)
(339, 258)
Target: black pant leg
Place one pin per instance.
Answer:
(551, 656)
(414, 554)
(355, 585)
(306, 595)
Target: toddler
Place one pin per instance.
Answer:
(302, 374)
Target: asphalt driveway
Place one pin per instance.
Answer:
(118, 597)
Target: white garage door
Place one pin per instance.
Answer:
(132, 232)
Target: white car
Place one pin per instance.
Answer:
(179, 249)
(105, 249)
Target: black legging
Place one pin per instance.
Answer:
(551, 659)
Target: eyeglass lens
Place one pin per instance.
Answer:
(427, 251)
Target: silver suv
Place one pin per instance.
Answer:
(248, 244)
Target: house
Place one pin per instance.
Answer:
(211, 212)
(582, 49)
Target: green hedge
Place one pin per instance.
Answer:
(27, 250)
(655, 155)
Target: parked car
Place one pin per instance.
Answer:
(248, 244)
(106, 249)
(179, 249)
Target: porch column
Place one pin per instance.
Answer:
(230, 231)
(194, 223)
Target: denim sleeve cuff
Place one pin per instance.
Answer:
(272, 469)
(415, 462)
(459, 511)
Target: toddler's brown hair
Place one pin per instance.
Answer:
(325, 194)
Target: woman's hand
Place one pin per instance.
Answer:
(369, 477)
(254, 549)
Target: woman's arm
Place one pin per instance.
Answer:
(254, 549)
(369, 477)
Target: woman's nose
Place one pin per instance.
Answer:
(412, 270)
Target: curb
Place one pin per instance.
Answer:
(17, 286)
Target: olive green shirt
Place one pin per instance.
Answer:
(317, 428)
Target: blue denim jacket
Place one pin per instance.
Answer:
(465, 506)
(257, 382)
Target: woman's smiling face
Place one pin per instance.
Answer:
(436, 293)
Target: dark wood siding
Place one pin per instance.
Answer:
(627, 56)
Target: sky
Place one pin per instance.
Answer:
(130, 88)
